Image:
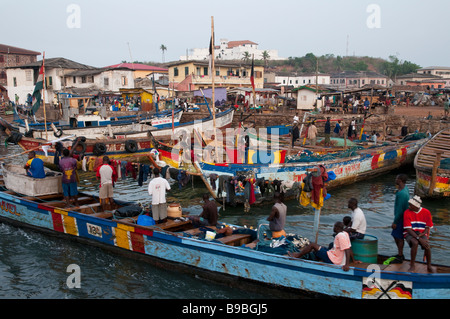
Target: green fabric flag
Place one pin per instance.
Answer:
(37, 90)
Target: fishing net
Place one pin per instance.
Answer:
(445, 163)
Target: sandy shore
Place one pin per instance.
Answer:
(419, 111)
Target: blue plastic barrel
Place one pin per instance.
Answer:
(366, 250)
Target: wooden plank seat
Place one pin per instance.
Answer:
(105, 215)
(197, 231)
(236, 239)
(88, 209)
(171, 225)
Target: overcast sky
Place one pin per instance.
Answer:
(105, 32)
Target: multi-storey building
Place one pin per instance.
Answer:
(11, 56)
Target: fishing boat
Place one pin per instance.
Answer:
(130, 146)
(432, 164)
(16, 179)
(100, 125)
(286, 173)
(209, 254)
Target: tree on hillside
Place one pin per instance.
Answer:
(394, 67)
(163, 48)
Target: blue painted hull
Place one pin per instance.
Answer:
(200, 255)
(347, 170)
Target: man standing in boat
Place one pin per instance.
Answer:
(417, 222)
(157, 189)
(68, 166)
(400, 205)
(34, 166)
(277, 217)
(107, 175)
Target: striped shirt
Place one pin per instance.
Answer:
(417, 221)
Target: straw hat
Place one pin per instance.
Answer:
(415, 201)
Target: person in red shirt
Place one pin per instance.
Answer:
(417, 223)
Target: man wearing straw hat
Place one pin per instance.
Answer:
(417, 223)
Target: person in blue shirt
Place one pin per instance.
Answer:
(366, 105)
(34, 166)
(337, 129)
(400, 205)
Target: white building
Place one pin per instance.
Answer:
(302, 79)
(232, 50)
(442, 71)
(63, 75)
(307, 98)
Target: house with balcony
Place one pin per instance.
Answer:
(195, 75)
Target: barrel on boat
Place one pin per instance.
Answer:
(366, 250)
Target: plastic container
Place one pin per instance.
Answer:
(366, 250)
(210, 235)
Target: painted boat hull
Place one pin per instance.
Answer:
(94, 126)
(200, 256)
(348, 170)
(116, 148)
(425, 164)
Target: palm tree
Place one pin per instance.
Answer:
(265, 56)
(246, 57)
(163, 48)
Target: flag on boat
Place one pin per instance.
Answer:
(211, 43)
(37, 89)
(252, 75)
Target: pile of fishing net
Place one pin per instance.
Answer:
(445, 163)
(308, 156)
(283, 245)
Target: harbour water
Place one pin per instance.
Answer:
(34, 265)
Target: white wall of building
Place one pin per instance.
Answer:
(306, 99)
(301, 80)
(21, 82)
(235, 53)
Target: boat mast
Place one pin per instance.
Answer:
(212, 91)
(43, 95)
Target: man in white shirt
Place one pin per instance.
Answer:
(357, 230)
(157, 189)
(107, 175)
(312, 134)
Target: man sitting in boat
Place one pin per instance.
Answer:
(357, 230)
(340, 254)
(417, 222)
(34, 166)
(209, 215)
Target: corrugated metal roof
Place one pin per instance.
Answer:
(56, 63)
(8, 49)
(136, 66)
